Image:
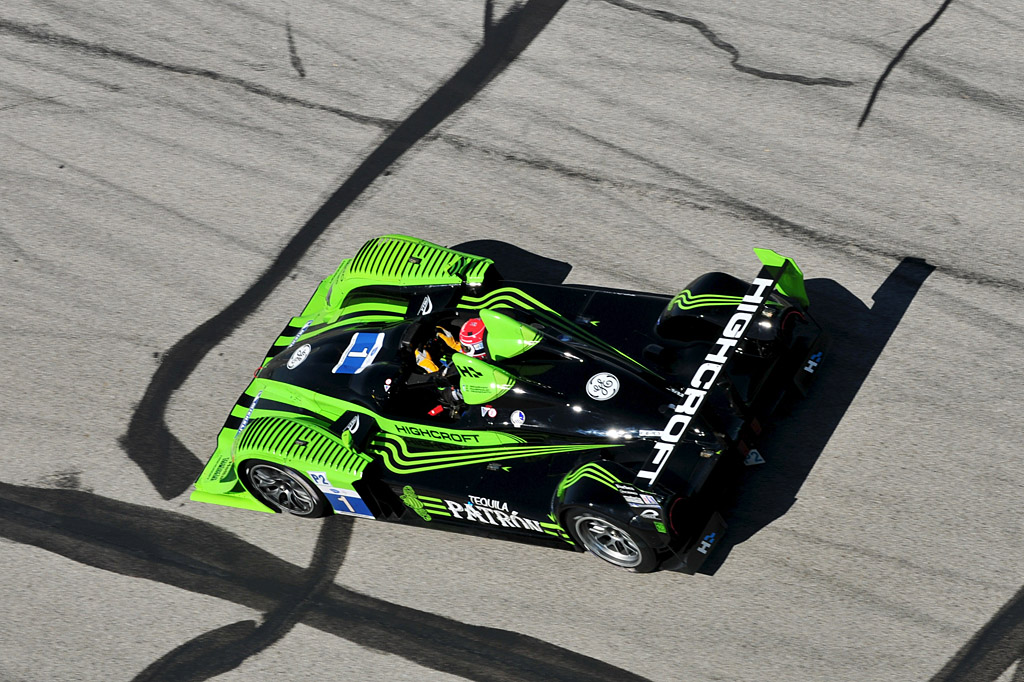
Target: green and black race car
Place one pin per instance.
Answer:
(590, 419)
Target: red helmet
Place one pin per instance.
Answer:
(471, 336)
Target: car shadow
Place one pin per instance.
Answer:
(992, 650)
(516, 263)
(794, 439)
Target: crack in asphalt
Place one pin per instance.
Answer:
(293, 53)
(896, 60)
(955, 87)
(423, 638)
(203, 558)
(734, 54)
(168, 464)
(40, 35)
(732, 205)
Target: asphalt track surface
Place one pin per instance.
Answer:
(176, 177)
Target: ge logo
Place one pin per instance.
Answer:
(602, 386)
(300, 354)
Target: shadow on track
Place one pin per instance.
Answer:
(165, 460)
(516, 263)
(992, 650)
(203, 558)
(793, 442)
(174, 549)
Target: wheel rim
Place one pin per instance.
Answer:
(608, 541)
(282, 489)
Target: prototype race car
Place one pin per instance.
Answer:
(576, 417)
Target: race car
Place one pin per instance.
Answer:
(419, 386)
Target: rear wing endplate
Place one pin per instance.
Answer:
(779, 274)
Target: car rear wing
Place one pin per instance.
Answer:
(778, 273)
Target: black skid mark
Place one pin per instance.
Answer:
(896, 60)
(734, 53)
(149, 442)
(218, 651)
(173, 549)
(293, 53)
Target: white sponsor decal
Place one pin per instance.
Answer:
(650, 514)
(635, 498)
(252, 406)
(706, 542)
(302, 331)
(320, 478)
(812, 362)
(649, 433)
(485, 502)
(427, 306)
(361, 351)
(300, 354)
(518, 418)
(491, 516)
(344, 501)
(602, 386)
(488, 411)
(703, 380)
(353, 424)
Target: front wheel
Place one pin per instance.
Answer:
(612, 541)
(283, 489)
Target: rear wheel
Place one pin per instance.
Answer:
(611, 540)
(283, 489)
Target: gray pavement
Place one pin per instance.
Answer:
(165, 165)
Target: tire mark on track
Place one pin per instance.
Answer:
(954, 87)
(177, 550)
(704, 196)
(896, 60)
(730, 49)
(736, 206)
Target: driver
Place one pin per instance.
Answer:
(471, 342)
(471, 338)
(423, 357)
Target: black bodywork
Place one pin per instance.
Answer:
(652, 348)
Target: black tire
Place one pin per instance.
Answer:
(611, 541)
(283, 489)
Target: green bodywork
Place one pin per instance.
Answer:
(591, 470)
(480, 381)
(351, 297)
(507, 338)
(357, 294)
(791, 280)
